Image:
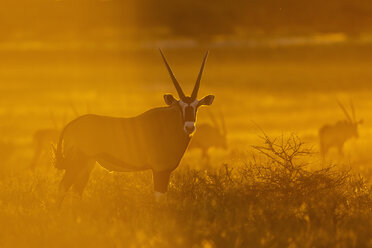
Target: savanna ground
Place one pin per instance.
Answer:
(243, 198)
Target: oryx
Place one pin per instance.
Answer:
(210, 135)
(337, 134)
(155, 140)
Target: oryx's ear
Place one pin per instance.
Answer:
(208, 100)
(169, 99)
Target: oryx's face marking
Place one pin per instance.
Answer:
(187, 104)
(188, 108)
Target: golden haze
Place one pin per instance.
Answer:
(277, 69)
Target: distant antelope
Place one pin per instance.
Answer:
(155, 140)
(210, 135)
(337, 134)
(43, 139)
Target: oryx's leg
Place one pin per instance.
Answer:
(321, 149)
(65, 184)
(206, 156)
(37, 154)
(324, 149)
(161, 181)
(72, 173)
(82, 180)
(205, 153)
(323, 153)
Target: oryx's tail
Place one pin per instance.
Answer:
(59, 160)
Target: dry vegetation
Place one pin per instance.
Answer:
(279, 65)
(269, 199)
(275, 194)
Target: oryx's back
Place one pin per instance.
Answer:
(337, 133)
(207, 136)
(95, 135)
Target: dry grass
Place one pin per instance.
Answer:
(268, 200)
(277, 195)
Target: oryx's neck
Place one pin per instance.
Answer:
(169, 120)
(163, 135)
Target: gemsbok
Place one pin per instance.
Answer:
(154, 140)
(210, 136)
(337, 134)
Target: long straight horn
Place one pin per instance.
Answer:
(352, 110)
(213, 119)
(345, 112)
(53, 118)
(197, 84)
(175, 82)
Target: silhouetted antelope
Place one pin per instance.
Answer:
(43, 139)
(155, 140)
(337, 134)
(210, 135)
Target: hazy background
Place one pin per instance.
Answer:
(81, 20)
(279, 66)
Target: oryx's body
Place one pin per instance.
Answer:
(337, 134)
(209, 136)
(155, 140)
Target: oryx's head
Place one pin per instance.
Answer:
(188, 105)
(220, 135)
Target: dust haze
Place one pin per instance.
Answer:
(280, 159)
